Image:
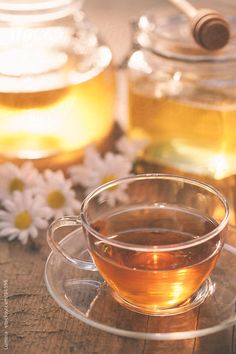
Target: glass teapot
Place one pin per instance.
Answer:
(182, 98)
(57, 83)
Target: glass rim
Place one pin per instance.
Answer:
(157, 176)
(157, 41)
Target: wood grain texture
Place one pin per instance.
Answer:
(37, 325)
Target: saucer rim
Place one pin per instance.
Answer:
(181, 335)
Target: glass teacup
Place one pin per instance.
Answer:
(157, 245)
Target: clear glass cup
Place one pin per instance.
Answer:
(156, 247)
(57, 82)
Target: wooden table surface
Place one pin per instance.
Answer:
(36, 324)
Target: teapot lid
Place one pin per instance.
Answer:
(24, 11)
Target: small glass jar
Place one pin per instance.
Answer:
(182, 98)
(57, 82)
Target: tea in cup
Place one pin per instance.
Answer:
(157, 246)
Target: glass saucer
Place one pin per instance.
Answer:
(87, 297)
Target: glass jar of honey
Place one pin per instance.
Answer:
(182, 98)
(57, 83)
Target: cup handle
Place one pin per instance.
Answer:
(56, 246)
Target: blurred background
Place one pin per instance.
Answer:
(112, 17)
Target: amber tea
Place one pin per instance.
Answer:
(154, 279)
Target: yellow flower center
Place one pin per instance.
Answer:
(23, 220)
(56, 199)
(108, 178)
(16, 185)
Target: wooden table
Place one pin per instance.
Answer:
(37, 325)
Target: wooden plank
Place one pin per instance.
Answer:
(37, 324)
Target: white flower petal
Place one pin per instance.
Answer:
(41, 223)
(4, 224)
(8, 204)
(9, 172)
(8, 231)
(130, 148)
(23, 237)
(13, 236)
(23, 202)
(33, 232)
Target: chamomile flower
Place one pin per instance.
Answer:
(58, 194)
(130, 148)
(97, 171)
(15, 178)
(22, 216)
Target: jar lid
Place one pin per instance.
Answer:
(36, 10)
(171, 37)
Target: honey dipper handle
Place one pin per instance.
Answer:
(185, 7)
(209, 28)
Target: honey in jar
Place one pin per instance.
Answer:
(182, 98)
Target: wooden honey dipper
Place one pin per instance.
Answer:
(209, 28)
